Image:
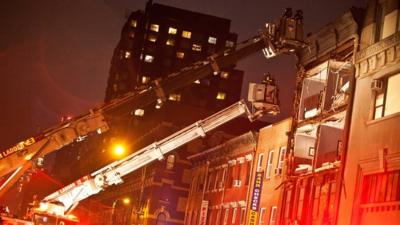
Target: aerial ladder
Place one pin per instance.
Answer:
(113, 173)
(284, 36)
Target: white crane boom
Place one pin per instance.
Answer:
(112, 174)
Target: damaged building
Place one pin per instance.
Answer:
(322, 103)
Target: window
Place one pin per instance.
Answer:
(242, 215)
(139, 112)
(127, 54)
(226, 214)
(196, 48)
(262, 214)
(216, 179)
(170, 162)
(392, 104)
(154, 27)
(221, 95)
(133, 23)
(381, 187)
(174, 97)
(269, 164)
(152, 38)
(248, 167)
(281, 161)
(389, 25)
(218, 216)
(222, 182)
(180, 55)
(229, 44)
(379, 99)
(378, 22)
(148, 58)
(170, 42)
(386, 23)
(387, 101)
(131, 34)
(260, 161)
(145, 79)
(172, 30)
(224, 75)
(212, 40)
(234, 216)
(272, 218)
(210, 178)
(186, 34)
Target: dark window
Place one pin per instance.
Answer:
(379, 18)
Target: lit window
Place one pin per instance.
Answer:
(281, 161)
(262, 214)
(170, 162)
(224, 75)
(260, 161)
(389, 25)
(196, 47)
(379, 105)
(212, 40)
(145, 80)
(139, 112)
(148, 58)
(180, 55)
(269, 165)
(170, 42)
(154, 27)
(197, 81)
(221, 96)
(234, 215)
(387, 101)
(186, 34)
(273, 215)
(127, 54)
(226, 214)
(152, 38)
(242, 215)
(172, 30)
(133, 23)
(174, 97)
(229, 44)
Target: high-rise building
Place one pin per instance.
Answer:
(155, 43)
(161, 40)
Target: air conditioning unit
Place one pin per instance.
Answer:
(377, 85)
(237, 183)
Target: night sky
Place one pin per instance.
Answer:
(55, 54)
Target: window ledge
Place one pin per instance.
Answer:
(394, 115)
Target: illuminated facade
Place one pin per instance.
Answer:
(162, 40)
(270, 161)
(320, 124)
(372, 168)
(221, 177)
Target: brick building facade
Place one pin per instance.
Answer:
(221, 177)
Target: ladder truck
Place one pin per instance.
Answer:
(282, 37)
